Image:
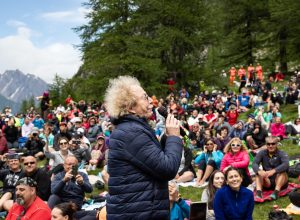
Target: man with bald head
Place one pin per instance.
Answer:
(42, 178)
(69, 185)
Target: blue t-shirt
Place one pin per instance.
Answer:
(244, 100)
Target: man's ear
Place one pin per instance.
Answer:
(32, 191)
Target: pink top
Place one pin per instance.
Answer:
(239, 160)
(278, 130)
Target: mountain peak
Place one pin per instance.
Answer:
(16, 86)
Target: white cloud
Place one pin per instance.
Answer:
(19, 52)
(74, 16)
(15, 23)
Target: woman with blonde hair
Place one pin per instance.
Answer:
(236, 155)
(139, 168)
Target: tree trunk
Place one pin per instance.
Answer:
(249, 39)
(282, 50)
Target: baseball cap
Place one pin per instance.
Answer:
(100, 136)
(35, 130)
(80, 130)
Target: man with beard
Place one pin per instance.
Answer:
(28, 205)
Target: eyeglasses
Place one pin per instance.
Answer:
(146, 97)
(31, 163)
(63, 143)
(236, 145)
(210, 144)
(272, 143)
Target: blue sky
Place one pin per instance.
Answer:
(36, 36)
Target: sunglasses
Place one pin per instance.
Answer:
(63, 143)
(210, 144)
(269, 144)
(31, 163)
(236, 145)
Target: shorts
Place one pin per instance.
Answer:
(273, 184)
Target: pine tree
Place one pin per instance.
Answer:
(151, 40)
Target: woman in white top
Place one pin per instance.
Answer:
(58, 157)
(215, 182)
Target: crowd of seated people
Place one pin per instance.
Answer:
(217, 142)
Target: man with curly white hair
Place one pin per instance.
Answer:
(138, 166)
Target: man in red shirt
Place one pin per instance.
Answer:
(28, 205)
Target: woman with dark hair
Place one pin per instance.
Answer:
(233, 201)
(208, 161)
(57, 158)
(215, 182)
(186, 170)
(222, 138)
(63, 211)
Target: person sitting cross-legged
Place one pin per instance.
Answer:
(69, 185)
(275, 164)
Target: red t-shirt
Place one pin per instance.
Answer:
(38, 210)
(232, 117)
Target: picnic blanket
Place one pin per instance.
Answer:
(266, 193)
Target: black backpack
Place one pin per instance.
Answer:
(294, 170)
(279, 215)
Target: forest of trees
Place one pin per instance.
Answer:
(189, 40)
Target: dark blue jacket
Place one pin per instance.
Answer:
(71, 191)
(139, 171)
(233, 205)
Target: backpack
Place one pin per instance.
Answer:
(294, 170)
(279, 215)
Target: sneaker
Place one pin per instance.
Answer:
(258, 195)
(274, 196)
